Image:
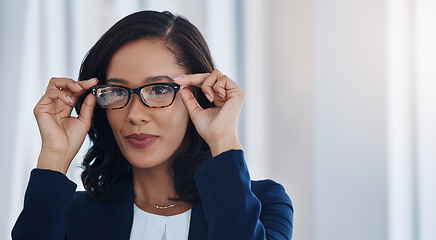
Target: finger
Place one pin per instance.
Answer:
(220, 86)
(192, 79)
(75, 89)
(190, 102)
(196, 80)
(65, 96)
(87, 84)
(209, 83)
(64, 83)
(87, 110)
(205, 81)
(53, 95)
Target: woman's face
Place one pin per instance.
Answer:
(147, 137)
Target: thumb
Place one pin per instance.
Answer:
(190, 102)
(87, 109)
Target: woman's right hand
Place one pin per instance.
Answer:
(63, 135)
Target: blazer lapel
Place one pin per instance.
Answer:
(122, 209)
(198, 227)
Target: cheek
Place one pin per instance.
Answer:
(178, 119)
(116, 121)
(176, 122)
(182, 111)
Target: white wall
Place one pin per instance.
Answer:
(327, 108)
(425, 97)
(10, 57)
(350, 120)
(289, 98)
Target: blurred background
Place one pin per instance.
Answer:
(340, 106)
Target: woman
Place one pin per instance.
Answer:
(165, 162)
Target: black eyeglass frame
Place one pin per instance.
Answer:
(176, 87)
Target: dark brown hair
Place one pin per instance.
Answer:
(104, 164)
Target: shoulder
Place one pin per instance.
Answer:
(264, 185)
(276, 204)
(86, 207)
(269, 191)
(82, 199)
(83, 204)
(277, 212)
(83, 212)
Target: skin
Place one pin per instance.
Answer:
(134, 63)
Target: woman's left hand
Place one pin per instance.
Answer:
(217, 125)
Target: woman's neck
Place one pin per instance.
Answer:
(155, 186)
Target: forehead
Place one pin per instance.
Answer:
(141, 59)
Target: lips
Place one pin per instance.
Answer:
(141, 140)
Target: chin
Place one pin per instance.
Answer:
(144, 164)
(147, 161)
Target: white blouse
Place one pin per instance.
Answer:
(148, 226)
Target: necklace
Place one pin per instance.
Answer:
(157, 206)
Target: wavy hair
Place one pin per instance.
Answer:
(104, 164)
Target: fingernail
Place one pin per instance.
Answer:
(209, 97)
(93, 79)
(78, 86)
(177, 78)
(69, 99)
(221, 95)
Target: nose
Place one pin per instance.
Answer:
(138, 112)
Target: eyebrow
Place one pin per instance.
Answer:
(150, 79)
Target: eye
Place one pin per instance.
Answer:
(119, 92)
(160, 90)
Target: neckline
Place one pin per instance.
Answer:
(157, 215)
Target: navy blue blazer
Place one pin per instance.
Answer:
(231, 207)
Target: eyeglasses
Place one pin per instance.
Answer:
(155, 95)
